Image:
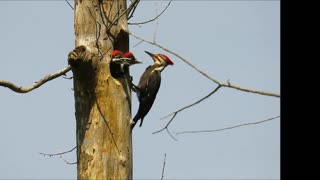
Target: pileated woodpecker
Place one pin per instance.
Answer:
(116, 55)
(129, 59)
(149, 85)
(125, 60)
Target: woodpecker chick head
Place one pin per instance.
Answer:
(160, 59)
(116, 54)
(129, 59)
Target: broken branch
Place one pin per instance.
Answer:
(20, 89)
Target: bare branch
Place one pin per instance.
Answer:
(98, 28)
(231, 127)
(20, 89)
(70, 5)
(228, 84)
(103, 15)
(137, 44)
(132, 8)
(116, 19)
(184, 60)
(186, 107)
(220, 84)
(171, 135)
(145, 22)
(156, 27)
(67, 162)
(58, 154)
(164, 165)
(166, 127)
(69, 78)
(192, 104)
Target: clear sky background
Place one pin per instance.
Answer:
(230, 40)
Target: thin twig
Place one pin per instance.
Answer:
(137, 44)
(132, 9)
(188, 106)
(231, 127)
(174, 115)
(194, 103)
(171, 135)
(145, 22)
(228, 84)
(166, 128)
(67, 162)
(70, 5)
(156, 27)
(164, 165)
(58, 154)
(220, 84)
(116, 19)
(105, 14)
(20, 89)
(98, 28)
(184, 60)
(65, 77)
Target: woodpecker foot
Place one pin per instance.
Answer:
(132, 123)
(134, 87)
(130, 78)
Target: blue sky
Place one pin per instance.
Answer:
(237, 41)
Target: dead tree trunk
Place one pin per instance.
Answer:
(102, 97)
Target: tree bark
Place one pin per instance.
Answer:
(102, 97)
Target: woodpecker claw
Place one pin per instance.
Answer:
(130, 78)
(132, 123)
(134, 87)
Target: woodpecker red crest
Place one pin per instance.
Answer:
(116, 54)
(128, 55)
(166, 58)
(160, 58)
(125, 59)
(129, 59)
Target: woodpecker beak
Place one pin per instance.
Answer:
(152, 56)
(136, 62)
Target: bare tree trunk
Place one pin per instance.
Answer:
(102, 99)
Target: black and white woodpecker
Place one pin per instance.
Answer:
(124, 60)
(149, 85)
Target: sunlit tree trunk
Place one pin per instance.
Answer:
(102, 97)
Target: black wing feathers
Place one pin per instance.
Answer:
(148, 88)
